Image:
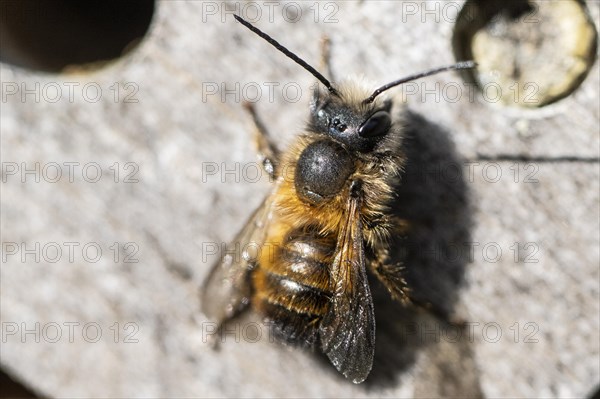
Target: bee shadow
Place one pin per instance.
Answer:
(434, 198)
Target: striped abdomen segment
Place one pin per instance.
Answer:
(292, 288)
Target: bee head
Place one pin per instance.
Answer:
(350, 115)
(345, 116)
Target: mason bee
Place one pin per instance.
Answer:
(325, 222)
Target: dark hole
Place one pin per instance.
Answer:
(12, 388)
(50, 35)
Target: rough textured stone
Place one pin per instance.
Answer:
(171, 209)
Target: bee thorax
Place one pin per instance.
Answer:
(322, 171)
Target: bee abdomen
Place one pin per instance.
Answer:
(291, 295)
(292, 289)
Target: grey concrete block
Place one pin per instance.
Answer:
(127, 321)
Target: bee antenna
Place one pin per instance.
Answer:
(288, 53)
(459, 65)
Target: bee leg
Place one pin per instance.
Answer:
(214, 339)
(325, 64)
(219, 336)
(390, 276)
(267, 151)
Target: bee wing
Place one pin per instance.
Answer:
(226, 291)
(347, 331)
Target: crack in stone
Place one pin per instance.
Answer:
(540, 159)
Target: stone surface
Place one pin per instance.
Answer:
(127, 322)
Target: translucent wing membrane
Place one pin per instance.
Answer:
(348, 330)
(226, 292)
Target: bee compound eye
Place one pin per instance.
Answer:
(322, 171)
(378, 124)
